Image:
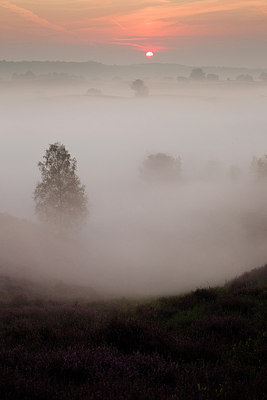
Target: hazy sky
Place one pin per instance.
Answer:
(198, 32)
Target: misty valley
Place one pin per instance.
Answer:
(148, 279)
(143, 236)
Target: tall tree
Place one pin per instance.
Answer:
(60, 197)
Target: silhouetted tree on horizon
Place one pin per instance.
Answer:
(212, 77)
(197, 74)
(244, 78)
(139, 88)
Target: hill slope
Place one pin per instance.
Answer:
(209, 344)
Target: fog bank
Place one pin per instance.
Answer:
(142, 238)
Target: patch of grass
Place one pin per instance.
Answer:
(184, 318)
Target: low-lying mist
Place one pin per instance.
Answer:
(142, 238)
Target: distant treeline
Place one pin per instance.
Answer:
(143, 71)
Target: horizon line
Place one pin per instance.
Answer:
(132, 64)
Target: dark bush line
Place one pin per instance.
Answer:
(207, 345)
(255, 277)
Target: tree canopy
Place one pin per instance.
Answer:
(60, 197)
(161, 167)
(139, 88)
(259, 166)
(197, 74)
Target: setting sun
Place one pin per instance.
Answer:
(149, 54)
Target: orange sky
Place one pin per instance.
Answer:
(120, 30)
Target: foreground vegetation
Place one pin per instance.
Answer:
(209, 344)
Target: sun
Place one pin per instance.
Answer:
(149, 54)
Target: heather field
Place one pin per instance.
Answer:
(205, 345)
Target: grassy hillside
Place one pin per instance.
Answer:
(208, 344)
